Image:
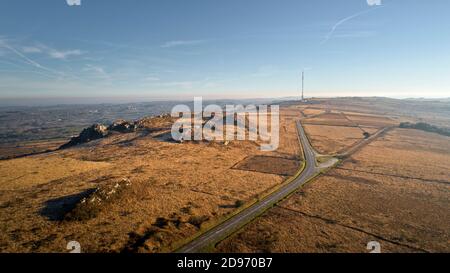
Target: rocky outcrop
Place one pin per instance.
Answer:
(98, 131)
(90, 206)
(94, 132)
(123, 126)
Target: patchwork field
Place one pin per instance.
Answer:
(334, 132)
(335, 139)
(268, 164)
(312, 112)
(395, 191)
(143, 192)
(171, 191)
(334, 119)
(371, 121)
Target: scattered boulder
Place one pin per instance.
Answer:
(239, 203)
(198, 220)
(156, 123)
(98, 131)
(123, 126)
(90, 206)
(164, 116)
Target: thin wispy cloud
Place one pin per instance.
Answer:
(15, 72)
(180, 84)
(266, 71)
(178, 43)
(97, 71)
(51, 52)
(9, 63)
(355, 34)
(211, 85)
(31, 49)
(187, 84)
(152, 79)
(344, 20)
(21, 53)
(5, 44)
(62, 55)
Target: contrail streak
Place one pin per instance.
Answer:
(28, 60)
(333, 29)
(31, 62)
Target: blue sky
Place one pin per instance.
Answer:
(224, 49)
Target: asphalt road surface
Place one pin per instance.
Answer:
(236, 222)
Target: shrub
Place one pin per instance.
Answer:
(238, 203)
(426, 127)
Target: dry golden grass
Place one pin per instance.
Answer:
(175, 190)
(336, 119)
(409, 153)
(374, 121)
(25, 148)
(334, 139)
(269, 164)
(27, 172)
(313, 112)
(289, 142)
(284, 231)
(334, 132)
(395, 191)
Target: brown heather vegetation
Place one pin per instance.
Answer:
(395, 191)
(13, 150)
(327, 139)
(174, 190)
(141, 192)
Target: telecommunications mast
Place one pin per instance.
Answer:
(303, 85)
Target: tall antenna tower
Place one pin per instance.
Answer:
(303, 85)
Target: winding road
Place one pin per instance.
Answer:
(221, 231)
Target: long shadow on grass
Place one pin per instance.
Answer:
(56, 209)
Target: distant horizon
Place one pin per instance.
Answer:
(54, 101)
